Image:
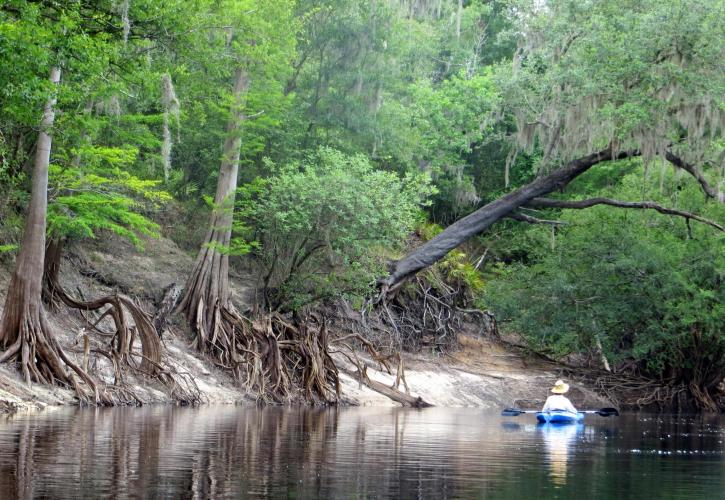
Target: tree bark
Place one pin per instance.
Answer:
(207, 290)
(480, 220)
(24, 333)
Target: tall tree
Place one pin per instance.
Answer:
(207, 291)
(260, 41)
(24, 331)
(55, 35)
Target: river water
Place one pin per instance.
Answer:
(235, 452)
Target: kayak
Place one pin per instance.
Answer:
(559, 417)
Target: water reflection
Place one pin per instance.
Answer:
(228, 452)
(558, 439)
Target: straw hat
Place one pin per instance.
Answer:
(560, 387)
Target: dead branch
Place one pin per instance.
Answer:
(390, 392)
(533, 220)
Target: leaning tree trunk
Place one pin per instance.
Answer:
(24, 331)
(480, 220)
(207, 290)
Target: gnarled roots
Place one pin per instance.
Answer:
(118, 348)
(277, 359)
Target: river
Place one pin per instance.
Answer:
(236, 452)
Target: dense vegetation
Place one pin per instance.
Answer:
(342, 147)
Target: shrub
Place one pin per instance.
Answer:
(326, 225)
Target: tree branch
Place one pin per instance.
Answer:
(533, 220)
(646, 205)
(710, 191)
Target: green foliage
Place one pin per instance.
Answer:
(641, 283)
(428, 230)
(325, 224)
(101, 196)
(460, 270)
(262, 35)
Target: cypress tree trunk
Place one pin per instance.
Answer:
(24, 332)
(272, 358)
(207, 290)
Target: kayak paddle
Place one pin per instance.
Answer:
(602, 412)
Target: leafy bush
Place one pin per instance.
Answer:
(326, 225)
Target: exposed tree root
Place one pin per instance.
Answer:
(277, 359)
(286, 358)
(426, 312)
(41, 358)
(119, 351)
(640, 392)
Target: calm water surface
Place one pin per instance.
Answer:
(231, 452)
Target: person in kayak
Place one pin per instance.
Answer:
(558, 401)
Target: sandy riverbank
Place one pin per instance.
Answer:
(480, 373)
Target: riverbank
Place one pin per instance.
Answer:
(480, 373)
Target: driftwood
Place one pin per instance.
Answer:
(385, 390)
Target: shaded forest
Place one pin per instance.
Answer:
(389, 170)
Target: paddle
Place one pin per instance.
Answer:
(602, 412)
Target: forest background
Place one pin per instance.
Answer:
(327, 144)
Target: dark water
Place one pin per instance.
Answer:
(228, 452)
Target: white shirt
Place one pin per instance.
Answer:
(558, 402)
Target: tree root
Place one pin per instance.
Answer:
(639, 392)
(425, 313)
(42, 360)
(288, 358)
(277, 359)
(119, 350)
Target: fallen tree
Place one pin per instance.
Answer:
(483, 218)
(529, 195)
